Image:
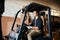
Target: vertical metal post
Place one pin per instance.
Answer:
(49, 24)
(22, 27)
(1, 12)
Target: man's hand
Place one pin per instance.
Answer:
(35, 28)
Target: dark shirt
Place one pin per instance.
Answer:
(38, 23)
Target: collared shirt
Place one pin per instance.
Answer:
(38, 23)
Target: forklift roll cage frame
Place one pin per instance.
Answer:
(30, 8)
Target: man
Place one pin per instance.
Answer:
(1, 12)
(37, 26)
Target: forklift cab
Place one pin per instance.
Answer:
(44, 11)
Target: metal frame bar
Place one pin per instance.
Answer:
(49, 24)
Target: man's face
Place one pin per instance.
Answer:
(35, 14)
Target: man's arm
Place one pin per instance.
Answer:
(42, 19)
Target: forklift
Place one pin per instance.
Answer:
(30, 8)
